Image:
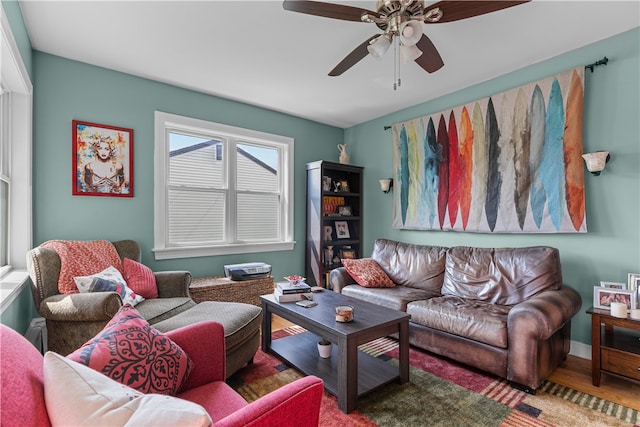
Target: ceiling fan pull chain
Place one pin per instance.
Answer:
(396, 64)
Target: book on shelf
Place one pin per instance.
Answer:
(280, 297)
(286, 288)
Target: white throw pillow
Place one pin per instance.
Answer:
(76, 395)
(108, 280)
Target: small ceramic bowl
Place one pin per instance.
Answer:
(295, 280)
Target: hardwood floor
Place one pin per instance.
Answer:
(575, 373)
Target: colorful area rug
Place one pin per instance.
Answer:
(441, 393)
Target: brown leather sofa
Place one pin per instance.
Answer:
(502, 310)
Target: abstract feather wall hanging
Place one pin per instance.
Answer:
(509, 163)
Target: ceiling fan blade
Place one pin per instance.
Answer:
(327, 10)
(430, 59)
(353, 58)
(457, 10)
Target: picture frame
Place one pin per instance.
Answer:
(347, 254)
(613, 285)
(344, 210)
(342, 229)
(344, 186)
(326, 183)
(102, 163)
(603, 297)
(633, 284)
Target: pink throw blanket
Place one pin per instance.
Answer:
(81, 258)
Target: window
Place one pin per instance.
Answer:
(15, 166)
(220, 189)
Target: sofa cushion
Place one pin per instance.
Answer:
(505, 276)
(472, 319)
(134, 353)
(108, 280)
(367, 273)
(395, 298)
(239, 320)
(78, 395)
(158, 309)
(140, 278)
(415, 266)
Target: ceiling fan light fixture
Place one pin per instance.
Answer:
(409, 53)
(378, 47)
(410, 32)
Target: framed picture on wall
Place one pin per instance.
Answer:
(102, 163)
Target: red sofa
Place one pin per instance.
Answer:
(296, 404)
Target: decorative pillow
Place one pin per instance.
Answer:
(368, 273)
(80, 258)
(76, 395)
(134, 353)
(140, 279)
(108, 280)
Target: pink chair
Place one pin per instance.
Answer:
(295, 404)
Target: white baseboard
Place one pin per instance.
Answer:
(579, 349)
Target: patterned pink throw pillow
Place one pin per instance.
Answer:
(367, 273)
(140, 279)
(80, 258)
(134, 353)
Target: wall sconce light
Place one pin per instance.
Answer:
(386, 185)
(595, 161)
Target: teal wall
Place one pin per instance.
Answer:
(66, 90)
(19, 31)
(611, 248)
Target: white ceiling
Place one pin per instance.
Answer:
(256, 52)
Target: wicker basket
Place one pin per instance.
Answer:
(225, 289)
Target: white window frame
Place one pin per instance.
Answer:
(17, 144)
(165, 123)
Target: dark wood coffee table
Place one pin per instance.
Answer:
(348, 373)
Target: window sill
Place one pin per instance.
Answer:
(10, 287)
(200, 251)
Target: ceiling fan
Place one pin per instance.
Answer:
(400, 21)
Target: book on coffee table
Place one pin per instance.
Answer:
(298, 296)
(285, 288)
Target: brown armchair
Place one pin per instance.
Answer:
(74, 319)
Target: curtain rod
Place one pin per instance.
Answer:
(589, 67)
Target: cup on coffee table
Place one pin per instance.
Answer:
(344, 313)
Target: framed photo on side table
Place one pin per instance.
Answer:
(613, 285)
(603, 297)
(102, 163)
(634, 285)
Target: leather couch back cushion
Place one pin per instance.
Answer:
(503, 276)
(415, 266)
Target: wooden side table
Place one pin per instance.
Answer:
(616, 350)
(225, 289)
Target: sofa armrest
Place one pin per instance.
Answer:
(542, 315)
(204, 344)
(295, 404)
(539, 335)
(339, 278)
(81, 307)
(173, 284)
